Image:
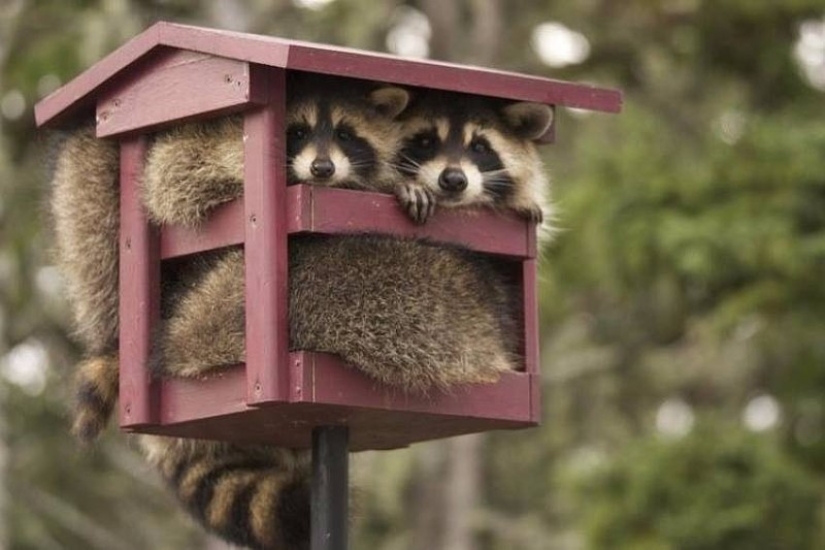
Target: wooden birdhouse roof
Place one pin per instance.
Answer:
(164, 42)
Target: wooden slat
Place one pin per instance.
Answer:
(328, 211)
(172, 86)
(224, 227)
(219, 393)
(290, 425)
(333, 211)
(266, 262)
(321, 378)
(139, 293)
(530, 330)
(78, 93)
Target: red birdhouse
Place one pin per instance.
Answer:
(173, 73)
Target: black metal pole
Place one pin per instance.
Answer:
(330, 487)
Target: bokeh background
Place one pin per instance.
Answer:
(683, 300)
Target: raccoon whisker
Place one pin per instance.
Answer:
(361, 164)
(405, 166)
(494, 173)
(407, 160)
(495, 183)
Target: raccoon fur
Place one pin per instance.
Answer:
(85, 205)
(255, 496)
(462, 151)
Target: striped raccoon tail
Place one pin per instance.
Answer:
(95, 390)
(255, 496)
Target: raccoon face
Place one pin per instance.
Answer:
(462, 150)
(342, 142)
(474, 154)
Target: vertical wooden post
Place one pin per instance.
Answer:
(139, 274)
(330, 487)
(267, 330)
(529, 267)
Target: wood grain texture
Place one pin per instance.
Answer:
(328, 211)
(171, 86)
(139, 293)
(265, 256)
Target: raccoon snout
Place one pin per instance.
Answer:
(452, 180)
(322, 168)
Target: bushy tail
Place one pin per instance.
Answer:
(254, 496)
(96, 391)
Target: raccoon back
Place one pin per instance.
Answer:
(410, 314)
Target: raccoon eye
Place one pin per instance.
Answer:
(297, 133)
(424, 142)
(343, 135)
(480, 146)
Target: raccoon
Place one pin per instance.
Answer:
(461, 151)
(344, 139)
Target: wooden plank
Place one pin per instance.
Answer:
(266, 261)
(530, 331)
(78, 93)
(329, 211)
(334, 211)
(290, 425)
(139, 293)
(220, 392)
(224, 227)
(321, 378)
(172, 86)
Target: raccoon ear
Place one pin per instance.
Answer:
(390, 100)
(527, 119)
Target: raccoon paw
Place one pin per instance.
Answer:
(416, 200)
(532, 213)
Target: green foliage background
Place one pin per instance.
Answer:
(689, 270)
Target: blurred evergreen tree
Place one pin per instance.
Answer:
(744, 494)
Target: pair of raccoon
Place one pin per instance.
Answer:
(436, 314)
(428, 147)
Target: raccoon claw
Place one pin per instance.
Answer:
(417, 201)
(532, 213)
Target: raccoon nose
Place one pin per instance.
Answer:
(452, 180)
(322, 168)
